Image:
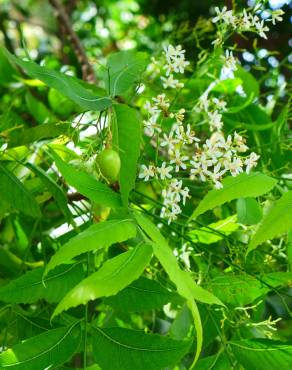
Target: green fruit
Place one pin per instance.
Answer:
(60, 104)
(109, 164)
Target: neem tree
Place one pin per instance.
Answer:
(122, 247)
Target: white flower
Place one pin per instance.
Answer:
(172, 214)
(215, 120)
(169, 141)
(235, 167)
(246, 21)
(262, 28)
(178, 160)
(197, 171)
(146, 172)
(179, 65)
(276, 16)
(179, 116)
(239, 143)
(151, 109)
(219, 104)
(190, 136)
(230, 61)
(161, 101)
(175, 59)
(171, 82)
(151, 125)
(216, 175)
(225, 16)
(251, 161)
(185, 194)
(164, 171)
(173, 52)
(204, 102)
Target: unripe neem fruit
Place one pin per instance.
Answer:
(109, 164)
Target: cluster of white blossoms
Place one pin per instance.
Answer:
(219, 156)
(247, 20)
(180, 153)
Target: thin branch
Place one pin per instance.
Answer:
(65, 23)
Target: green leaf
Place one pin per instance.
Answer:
(30, 287)
(97, 236)
(180, 328)
(124, 69)
(237, 290)
(114, 275)
(249, 211)
(278, 278)
(54, 189)
(38, 109)
(289, 248)
(205, 235)
(227, 86)
(215, 362)
(45, 351)
(16, 194)
(276, 222)
(240, 186)
(24, 136)
(66, 85)
(262, 354)
(142, 295)
(126, 349)
(243, 289)
(128, 125)
(186, 286)
(88, 185)
(249, 83)
(6, 70)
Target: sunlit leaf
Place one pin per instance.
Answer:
(124, 68)
(87, 185)
(45, 351)
(114, 275)
(30, 287)
(128, 125)
(142, 295)
(126, 349)
(277, 221)
(186, 286)
(97, 236)
(262, 354)
(66, 85)
(240, 186)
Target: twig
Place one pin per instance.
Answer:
(87, 70)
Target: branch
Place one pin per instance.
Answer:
(87, 70)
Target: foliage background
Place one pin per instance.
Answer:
(256, 289)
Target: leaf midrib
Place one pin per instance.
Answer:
(108, 337)
(44, 352)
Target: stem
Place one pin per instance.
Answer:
(85, 322)
(85, 337)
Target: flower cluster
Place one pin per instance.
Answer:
(219, 156)
(247, 20)
(182, 155)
